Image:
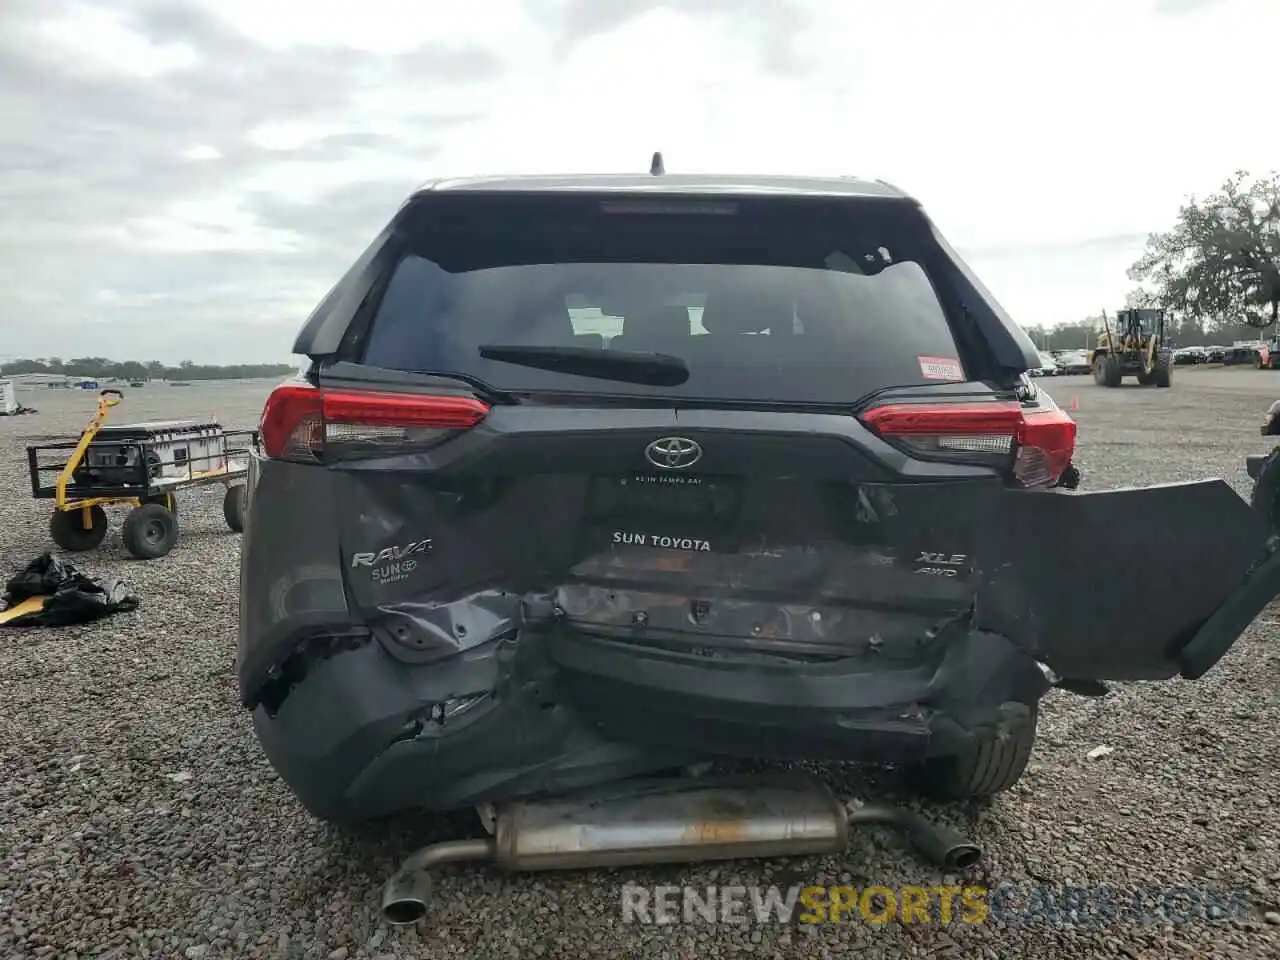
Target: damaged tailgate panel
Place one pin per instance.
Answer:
(1105, 585)
(812, 565)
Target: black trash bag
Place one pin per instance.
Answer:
(70, 596)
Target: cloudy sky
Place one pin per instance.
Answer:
(184, 179)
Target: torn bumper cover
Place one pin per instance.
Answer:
(1132, 584)
(1147, 583)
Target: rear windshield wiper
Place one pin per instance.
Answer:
(652, 369)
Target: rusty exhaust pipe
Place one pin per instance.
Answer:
(684, 820)
(940, 845)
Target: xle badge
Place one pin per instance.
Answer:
(394, 563)
(940, 564)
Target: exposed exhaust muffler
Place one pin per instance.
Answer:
(678, 820)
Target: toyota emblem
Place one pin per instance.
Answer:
(673, 453)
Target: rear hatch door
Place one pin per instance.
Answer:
(759, 504)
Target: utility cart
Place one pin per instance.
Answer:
(143, 465)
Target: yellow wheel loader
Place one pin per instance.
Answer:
(1135, 347)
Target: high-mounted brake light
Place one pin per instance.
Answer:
(1042, 441)
(300, 421)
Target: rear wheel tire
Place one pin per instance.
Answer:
(68, 531)
(234, 502)
(149, 531)
(983, 768)
(1163, 372)
(1106, 371)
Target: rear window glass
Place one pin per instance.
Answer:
(769, 300)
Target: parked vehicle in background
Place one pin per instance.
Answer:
(1215, 354)
(1048, 366)
(1073, 362)
(1186, 356)
(1267, 355)
(1241, 353)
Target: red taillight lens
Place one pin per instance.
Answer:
(1046, 444)
(1043, 440)
(292, 424)
(299, 421)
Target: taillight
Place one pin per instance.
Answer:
(1046, 444)
(300, 422)
(1041, 441)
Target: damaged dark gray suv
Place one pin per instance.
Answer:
(597, 476)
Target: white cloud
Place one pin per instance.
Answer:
(99, 40)
(1045, 139)
(380, 26)
(285, 135)
(204, 227)
(202, 151)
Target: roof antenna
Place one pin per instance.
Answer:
(656, 169)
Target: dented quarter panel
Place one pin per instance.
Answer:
(283, 601)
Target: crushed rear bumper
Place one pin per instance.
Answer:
(1073, 589)
(365, 735)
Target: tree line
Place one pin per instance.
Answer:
(1180, 331)
(1215, 271)
(101, 368)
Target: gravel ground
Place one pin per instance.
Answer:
(138, 818)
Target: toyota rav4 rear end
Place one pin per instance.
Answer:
(595, 476)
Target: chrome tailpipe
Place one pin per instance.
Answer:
(675, 820)
(407, 893)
